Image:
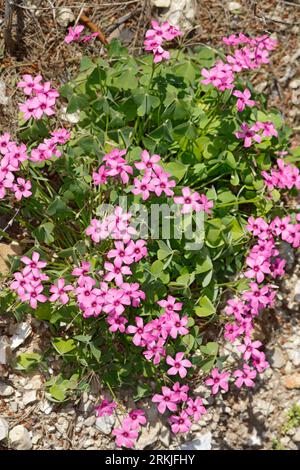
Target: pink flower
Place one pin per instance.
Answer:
(59, 291)
(177, 325)
(168, 400)
(34, 295)
(218, 380)
(84, 269)
(178, 364)
(259, 267)
(249, 349)
(126, 435)
(256, 226)
(100, 177)
(105, 408)
(30, 84)
(257, 297)
(180, 391)
(121, 253)
(140, 332)
(137, 250)
(4, 141)
(170, 305)
(144, 186)
(74, 34)
(89, 37)
(138, 416)
(148, 162)
(22, 189)
(116, 271)
(248, 134)
(243, 99)
(96, 231)
(33, 264)
(161, 183)
(180, 423)
(117, 323)
(189, 201)
(245, 376)
(195, 408)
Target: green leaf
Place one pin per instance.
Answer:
(177, 169)
(206, 308)
(63, 346)
(210, 349)
(145, 103)
(26, 361)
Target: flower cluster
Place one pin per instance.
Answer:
(128, 433)
(156, 36)
(28, 283)
(286, 176)
(42, 97)
(115, 226)
(190, 409)
(74, 35)
(12, 156)
(48, 148)
(256, 132)
(262, 262)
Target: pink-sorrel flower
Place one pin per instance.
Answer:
(177, 325)
(33, 264)
(140, 332)
(218, 380)
(189, 201)
(170, 304)
(180, 391)
(249, 349)
(34, 295)
(248, 134)
(256, 226)
(59, 291)
(30, 84)
(259, 267)
(74, 34)
(245, 376)
(179, 365)
(126, 435)
(105, 408)
(195, 408)
(243, 99)
(22, 189)
(116, 271)
(257, 297)
(138, 416)
(167, 401)
(180, 423)
(148, 162)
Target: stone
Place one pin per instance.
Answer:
(46, 407)
(277, 359)
(19, 438)
(254, 439)
(295, 83)
(181, 13)
(294, 356)
(22, 332)
(161, 3)
(5, 350)
(3, 429)
(105, 424)
(201, 442)
(165, 437)
(64, 17)
(234, 6)
(148, 436)
(35, 383)
(296, 436)
(29, 397)
(5, 252)
(90, 421)
(35, 439)
(292, 381)
(5, 390)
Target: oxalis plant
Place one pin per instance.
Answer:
(154, 217)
